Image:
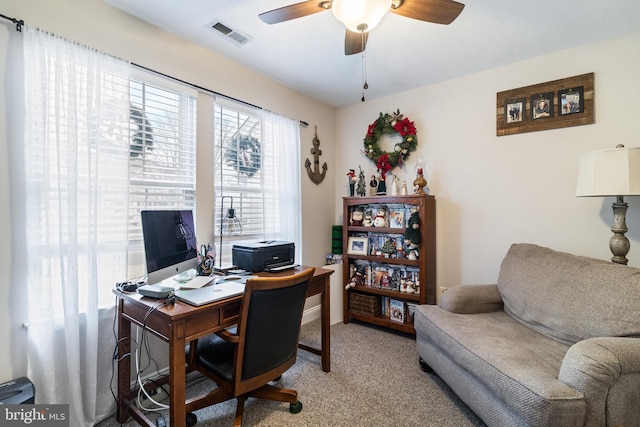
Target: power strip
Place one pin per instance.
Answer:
(159, 394)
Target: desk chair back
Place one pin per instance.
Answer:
(263, 347)
(270, 321)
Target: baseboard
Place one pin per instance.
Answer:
(311, 314)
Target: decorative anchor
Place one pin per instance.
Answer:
(315, 176)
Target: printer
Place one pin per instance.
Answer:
(269, 255)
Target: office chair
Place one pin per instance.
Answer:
(263, 347)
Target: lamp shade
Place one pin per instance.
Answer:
(612, 172)
(360, 15)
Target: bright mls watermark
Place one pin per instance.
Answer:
(34, 415)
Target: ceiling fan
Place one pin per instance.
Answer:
(367, 14)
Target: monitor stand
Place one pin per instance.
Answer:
(185, 276)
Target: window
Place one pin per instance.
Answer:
(92, 169)
(257, 165)
(162, 169)
(239, 167)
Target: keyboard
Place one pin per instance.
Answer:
(196, 283)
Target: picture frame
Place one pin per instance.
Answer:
(515, 110)
(382, 279)
(542, 105)
(397, 217)
(396, 310)
(580, 87)
(358, 246)
(571, 101)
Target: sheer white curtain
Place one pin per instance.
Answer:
(76, 180)
(285, 135)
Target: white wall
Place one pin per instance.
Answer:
(493, 191)
(96, 24)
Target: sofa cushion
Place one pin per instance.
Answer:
(519, 365)
(567, 297)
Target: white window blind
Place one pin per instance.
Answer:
(244, 168)
(162, 170)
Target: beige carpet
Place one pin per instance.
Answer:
(375, 380)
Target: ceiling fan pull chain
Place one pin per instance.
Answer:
(365, 85)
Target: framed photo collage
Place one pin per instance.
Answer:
(551, 105)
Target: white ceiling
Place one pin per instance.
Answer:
(307, 54)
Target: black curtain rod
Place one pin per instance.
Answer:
(301, 122)
(19, 23)
(195, 86)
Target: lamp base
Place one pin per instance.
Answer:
(619, 244)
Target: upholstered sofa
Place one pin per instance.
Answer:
(556, 342)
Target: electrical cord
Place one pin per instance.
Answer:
(115, 359)
(140, 344)
(142, 390)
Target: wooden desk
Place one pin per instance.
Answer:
(180, 323)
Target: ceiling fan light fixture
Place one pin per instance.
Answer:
(360, 15)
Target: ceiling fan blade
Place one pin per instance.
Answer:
(353, 42)
(294, 11)
(436, 11)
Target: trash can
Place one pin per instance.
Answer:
(18, 391)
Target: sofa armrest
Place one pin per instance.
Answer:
(605, 370)
(468, 299)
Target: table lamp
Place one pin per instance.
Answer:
(229, 224)
(612, 172)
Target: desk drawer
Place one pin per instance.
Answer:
(229, 313)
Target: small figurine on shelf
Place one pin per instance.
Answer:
(409, 288)
(357, 217)
(361, 189)
(394, 186)
(383, 165)
(403, 190)
(412, 235)
(419, 183)
(380, 220)
(355, 280)
(367, 221)
(389, 248)
(374, 185)
(352, 181)
(400, 252)
(382, 184)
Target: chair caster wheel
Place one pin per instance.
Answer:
(192, 419)
(294, 408)
(277, 379)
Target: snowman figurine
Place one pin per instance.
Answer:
(380, 220)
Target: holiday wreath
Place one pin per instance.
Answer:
(390, 124)
(243, 153)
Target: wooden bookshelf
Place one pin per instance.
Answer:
(383, 277)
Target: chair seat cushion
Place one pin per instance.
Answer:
(519, 365)
(216, 355)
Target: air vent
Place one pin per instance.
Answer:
(234, 36)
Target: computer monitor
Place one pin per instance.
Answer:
(170, 245)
